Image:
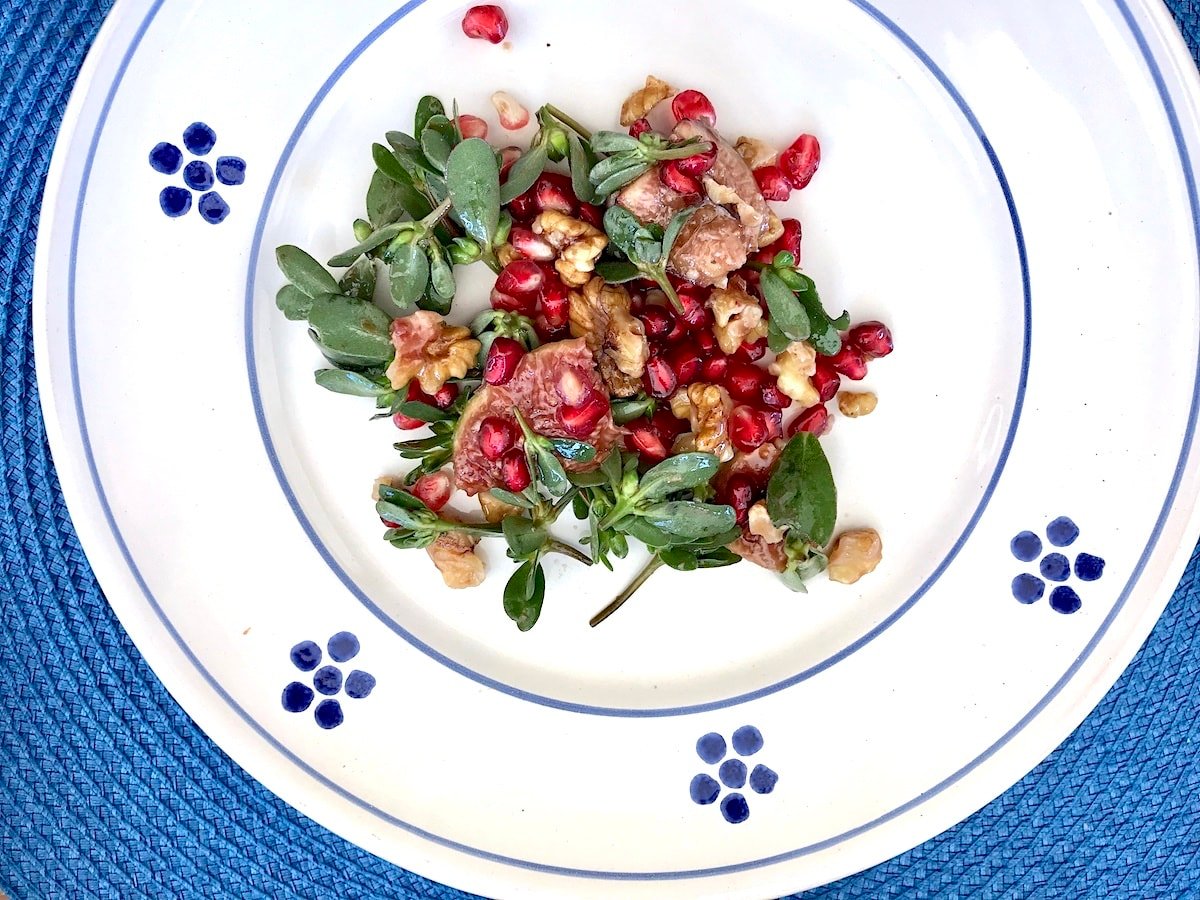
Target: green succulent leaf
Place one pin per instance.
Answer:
(688, 519)
(524, 593)
(359, 280)
(304, 272)
(377, 239)
(473, 180)
(801, 494)
(524, 173)
(353, 384)
(678, 473)
(293, 302)
(352, 327)
(408, 273)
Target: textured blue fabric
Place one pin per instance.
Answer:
(108, 790)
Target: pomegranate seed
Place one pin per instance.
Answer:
(514, 471)
(715, 369)
(573, 386)
(496, 437)
(661, 380)
(642, 438)
(508, 156)
(693, 105)
(850, 362)
(472, 126)
(706, 343)
(739, 493)
(523, 207)
(748, 428)
(667, 426)
(698, 165)
(678, 332)
(521, 278)
(580, 421)
(773, 183)
(592, 214)
(685, 362)
(753, 352)
(502, 359)
(530, 245)
(639, 127)
(507, 303)
(414, 392)
(406, 423)
(826, 380)
(774, 419)
(445, 396)
(790, 239)
(556, 304)
(548, 333)
(800, 161)
(695, 312)
(658, 321)
(677, 181)
(513, 116)
(744, 381)
(772, 397)
(488, 23)
(553, 191)
(814, 420)
(872, 338)
(432, 490)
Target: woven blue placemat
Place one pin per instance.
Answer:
(107, 789)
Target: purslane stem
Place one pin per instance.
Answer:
(642, 577)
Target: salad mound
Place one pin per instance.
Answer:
(653, 359)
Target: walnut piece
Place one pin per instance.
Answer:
(507, 253)
(737, 316)
(454, 554)
(579, 245)
(756, 153)
(760, 525)
(855, 554)
(794, 367)
(774, 230)
(709, 418)
(854, 405)
(494, 509)
(748, 214)
(430, 350)
(644, 99)
(600, 315)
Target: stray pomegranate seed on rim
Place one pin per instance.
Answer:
(487, 23)
(693, 105)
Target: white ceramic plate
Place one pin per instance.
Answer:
(1010, 184)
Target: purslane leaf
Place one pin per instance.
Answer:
(473, 180)
(304, 272)
(377, 239)
(408, 273)
(801, 493)
(351, 383)
(524, 173)
(678, 473)
(293, 302)
(353, 327)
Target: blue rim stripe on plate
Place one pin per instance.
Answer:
(660, 712)
(1194, 201)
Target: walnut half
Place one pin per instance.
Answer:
(737, 316)
(454, 554)
(644, 99)
(579, 245)
(600, 315)
(430, 350)
(854, 554)
(707, 408)
(794, 367)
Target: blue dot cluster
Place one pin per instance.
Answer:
(733, 773)
(326, 680)
(1053, 567)
(198, 175)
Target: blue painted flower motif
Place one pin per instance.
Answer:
(1053, 567)
(327, 680)
(198, 175)
(733, 773)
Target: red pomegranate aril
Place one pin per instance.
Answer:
(524, 305)
(433, 490)
(639, 127)
(695, 312)
(556, 303)
(698, 165)
(658, 321)
(677, 181)
(706, 343)
(814, 420)
(790, 239)
(513, 116)
(772, 397)
(685, 362)
(715, 369)
(581, 420)
(502, 359)
(592, 214)
(667, 426)
(739, 493)
(553, 191)
(406, 423)
(548, 332)
(642, 438)
(773, 183)
(520, 278)
(849, 362)
(488, 23)
(874, 339)
(748, 428)
(679, 330)
(826, 380)
(744, 381)
(774, 418)
(800, 161)
(508, 156)
(573, 386)
(514, 471)
(753, 352)
(413, 392)
(693, 105)
(530, 245)
(660, 378)
(524, 207)
(472, 126)
(496, 437)
(445, 396)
